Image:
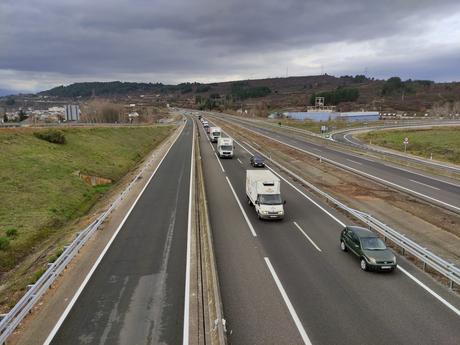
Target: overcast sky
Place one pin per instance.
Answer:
(44, 43)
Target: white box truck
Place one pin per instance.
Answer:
(263, 191)
(225, 147)
(214, 134)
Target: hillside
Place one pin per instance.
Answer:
(347, 92)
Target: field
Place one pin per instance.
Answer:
(41, 192)
(442, 143)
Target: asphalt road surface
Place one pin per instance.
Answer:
(431, 188)
(136, 294)
(288, 282)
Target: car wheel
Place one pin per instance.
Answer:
(363, 264)
(258, 215)
(343, 246)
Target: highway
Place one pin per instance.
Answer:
(135, 293)
(440, 191)
(287, 282)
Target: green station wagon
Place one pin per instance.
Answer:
(368, 247)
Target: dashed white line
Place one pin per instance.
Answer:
(218, 161)
(286, 299)
(242, 209)
(351, 160)
(424, 184)
(239, 161)
(297, 189)
(308, 237)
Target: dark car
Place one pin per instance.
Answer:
(257, 161)
(368, 247)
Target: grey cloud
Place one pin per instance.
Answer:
(179, 37)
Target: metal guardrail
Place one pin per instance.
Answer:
(445, 268)
(10, 321)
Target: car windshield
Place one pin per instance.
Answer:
(226, 147)
(373, 243)
(258, 159)
(216, 134)
(270, 199)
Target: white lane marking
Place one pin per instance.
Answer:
(297, 189)
(343, 224)
(424, 184)
(431, 292)
(292, 311)
(351, 160)
(308, 237)
(419, 174)
(241, 208)
(106, 248)
(239, 161)
(218, 161)
(185, 336)
(359, 172)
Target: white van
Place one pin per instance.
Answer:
(263, 191)
(225, 147)
(214, 134)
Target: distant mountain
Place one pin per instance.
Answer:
(5, 92)
(294, 93)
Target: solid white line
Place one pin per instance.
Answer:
(189, 240)
(351, 160)
(297, 189)
(424, 184)
(431, 292)
(292, 311)
(308, 237)
(241, 208)
(218, 161)
(239, 160)
(106, 248)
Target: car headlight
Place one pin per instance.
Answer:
(372, 260)
(264, 212)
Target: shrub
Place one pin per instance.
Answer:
(4, 243)
(54, 136)
(11, 233)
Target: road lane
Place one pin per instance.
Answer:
(254, 309)
(136, 294)
(335, 301)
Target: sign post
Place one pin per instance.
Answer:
(405, 142)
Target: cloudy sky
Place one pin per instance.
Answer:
(44, 43)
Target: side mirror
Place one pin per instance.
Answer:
(256, 202)
(284, 202)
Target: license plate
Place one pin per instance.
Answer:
(273, 216)
(386, 267)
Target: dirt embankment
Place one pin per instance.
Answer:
(432, 227)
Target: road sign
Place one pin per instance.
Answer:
(405, 142)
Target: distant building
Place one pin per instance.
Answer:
(72, 113)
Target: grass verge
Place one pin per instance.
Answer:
(442, 143)
(41, 192)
